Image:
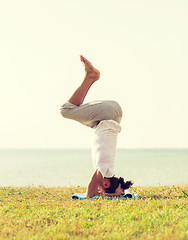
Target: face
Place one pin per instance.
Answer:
(101, 189)
(106, 183)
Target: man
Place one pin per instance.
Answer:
(104, 117)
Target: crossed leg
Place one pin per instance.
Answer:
(90, 114)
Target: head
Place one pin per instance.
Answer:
(111, 184)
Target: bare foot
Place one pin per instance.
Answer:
(91, 72)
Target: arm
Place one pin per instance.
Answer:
(95, 182)
(119, 192)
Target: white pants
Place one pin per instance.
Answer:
(90, 114)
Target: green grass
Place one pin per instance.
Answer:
(50, 213)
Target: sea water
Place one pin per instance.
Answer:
(73, 167)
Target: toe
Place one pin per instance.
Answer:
(82, 58)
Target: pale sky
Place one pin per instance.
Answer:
(140, 47)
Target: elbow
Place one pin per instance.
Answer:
(89, 195)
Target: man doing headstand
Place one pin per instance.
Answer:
(104, 117)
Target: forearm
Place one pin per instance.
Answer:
(95, 182)
(91, 190)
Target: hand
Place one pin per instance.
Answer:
(119, 191)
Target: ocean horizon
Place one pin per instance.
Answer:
(73, 167)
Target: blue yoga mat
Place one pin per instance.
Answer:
(127, 194)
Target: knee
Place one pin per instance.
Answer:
(67, 110)
(115, 106)
(116, 109)
(64, 111)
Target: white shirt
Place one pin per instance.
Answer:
(104, 146)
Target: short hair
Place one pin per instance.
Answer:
(114, 183)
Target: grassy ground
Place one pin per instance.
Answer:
(49, 213)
